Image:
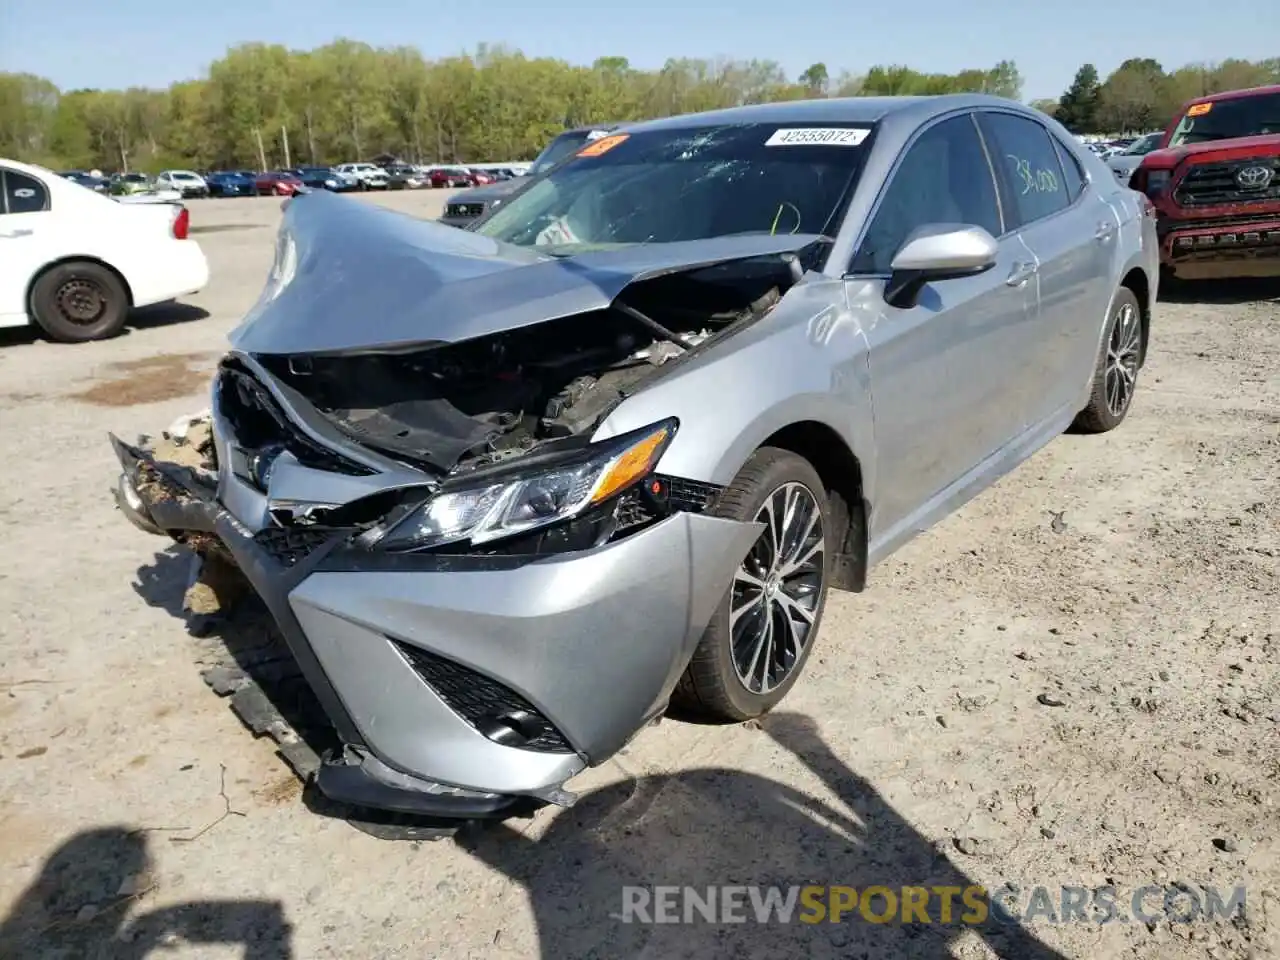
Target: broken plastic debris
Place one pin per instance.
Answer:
(179, 429)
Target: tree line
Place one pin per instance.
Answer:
(266, 106)
(1139, 95)
(263, 105)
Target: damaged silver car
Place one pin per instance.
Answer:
(511, 492)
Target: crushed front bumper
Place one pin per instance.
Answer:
(464, 686)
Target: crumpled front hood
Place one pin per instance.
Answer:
(352, 277)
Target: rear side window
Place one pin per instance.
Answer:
(1030, 170)
(23, 194)
(1073, 176)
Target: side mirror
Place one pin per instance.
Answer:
(942, 251)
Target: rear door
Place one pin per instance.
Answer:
(1072, 234)
(27, 239)
(945, 375)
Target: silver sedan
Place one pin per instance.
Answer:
(511, 491)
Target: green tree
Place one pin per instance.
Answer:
(815, 80)
(1134, 97)
(1078, 107)
(348, 100)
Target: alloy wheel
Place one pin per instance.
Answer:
(80, 301)
(1122, 359)
(776, 591)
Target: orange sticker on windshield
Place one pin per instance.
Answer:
(603, 145)
(1199, 109)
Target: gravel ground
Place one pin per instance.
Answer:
(1071, 681)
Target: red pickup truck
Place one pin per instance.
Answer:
(1215, 184)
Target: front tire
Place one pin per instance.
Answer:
(79, 301)
(760, 636)
(1115, 375)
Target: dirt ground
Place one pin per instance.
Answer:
(1073, 681)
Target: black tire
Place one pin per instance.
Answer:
(1119, 356)
(712, 687)
(79, 301)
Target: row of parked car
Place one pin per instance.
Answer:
(186, 184)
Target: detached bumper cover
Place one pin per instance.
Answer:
(462, 685)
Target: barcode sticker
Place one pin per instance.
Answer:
(818, 136)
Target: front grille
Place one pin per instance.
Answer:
(291, 545)
(464, 211)
(485, 703)
(1209, 184)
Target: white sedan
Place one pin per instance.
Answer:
(187, 183)
(75, 262)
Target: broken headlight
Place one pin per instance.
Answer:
(519, 503)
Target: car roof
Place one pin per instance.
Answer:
(587, 128)
(830, 110)
(1236, 94)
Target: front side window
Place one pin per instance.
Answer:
(690, 183)
(1028, 164)
(1227, 119)
(944, 177)
(23, 194)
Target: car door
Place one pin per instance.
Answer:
(26, 239)
(944, 377)
(1071, 233)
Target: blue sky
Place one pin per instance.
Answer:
(117, 43)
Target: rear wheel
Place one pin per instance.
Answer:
(79, 301)
(757, 642)
(1115, 376)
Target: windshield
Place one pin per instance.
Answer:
(1143, 145)
(1228, 119)
(665, 186)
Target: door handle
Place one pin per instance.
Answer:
(1022, 271)
(17, 233)
(1106, 230)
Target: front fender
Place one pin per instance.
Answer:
(806, 361)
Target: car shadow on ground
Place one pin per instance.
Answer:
(245, 638)
(707, 827)
(83, 905)
(1247, 290)
(143, 318)
(695, 828)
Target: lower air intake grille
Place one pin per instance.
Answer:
(290, 545)
(496, 711)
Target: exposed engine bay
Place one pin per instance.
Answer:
(465, 405)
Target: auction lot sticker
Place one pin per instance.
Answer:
(817, 136)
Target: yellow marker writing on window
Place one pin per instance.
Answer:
(1199, 109)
